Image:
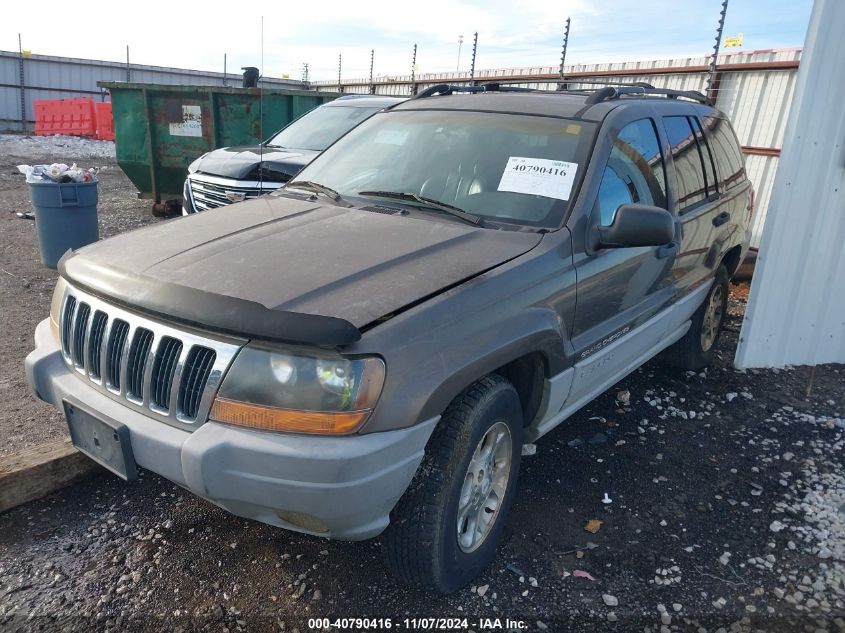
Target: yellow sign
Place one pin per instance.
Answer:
(26, 53)
(733, 41)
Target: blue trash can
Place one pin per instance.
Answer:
(65, 217)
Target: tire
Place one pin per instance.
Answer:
(693, 352)
(421, 545)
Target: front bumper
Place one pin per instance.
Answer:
(337, 487)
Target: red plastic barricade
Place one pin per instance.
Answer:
(105, 122)
(74, 117)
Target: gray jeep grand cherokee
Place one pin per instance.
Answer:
(367, 350)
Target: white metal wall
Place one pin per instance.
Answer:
(796, 309)
(48, 77)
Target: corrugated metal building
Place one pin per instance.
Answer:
(796, 309)
(753, 88)
(48, 77)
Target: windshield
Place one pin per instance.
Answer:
(514, 168)
(321, 127)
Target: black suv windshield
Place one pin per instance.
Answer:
(515, 168)
(321, 127)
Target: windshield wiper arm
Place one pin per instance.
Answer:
(316, 187)
(431, 203)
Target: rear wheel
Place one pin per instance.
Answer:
(695, 350)
(444, 530)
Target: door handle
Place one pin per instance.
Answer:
(720, 219)
(667, 250)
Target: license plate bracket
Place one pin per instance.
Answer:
(107, 443)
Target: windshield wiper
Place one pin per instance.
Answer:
(316, 187)
(431, 203)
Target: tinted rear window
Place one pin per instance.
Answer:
(730, 163)
(706, 156)
(691, 187)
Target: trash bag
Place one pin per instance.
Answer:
(58, 172)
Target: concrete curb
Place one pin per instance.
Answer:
(40, 471)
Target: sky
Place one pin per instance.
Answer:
(510, 32)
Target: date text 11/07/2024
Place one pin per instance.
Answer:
(416, 624)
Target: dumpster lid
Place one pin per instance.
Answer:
(206, 310)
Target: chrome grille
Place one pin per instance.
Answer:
(114, 352)
(136, 363)
(67, 324)
(80, 325)
(95, 344)
(148, 365)
(197, 367)
(164, 365)
(210, 192)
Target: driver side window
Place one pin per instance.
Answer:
(634, 173)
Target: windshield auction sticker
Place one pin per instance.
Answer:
(539, 177)
(391, 137)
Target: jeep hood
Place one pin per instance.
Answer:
(242, 163)
(289, 270)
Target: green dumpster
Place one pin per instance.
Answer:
(161, 129)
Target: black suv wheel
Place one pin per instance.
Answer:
(695, 350)
(444, 530)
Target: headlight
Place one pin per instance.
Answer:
(278, 391)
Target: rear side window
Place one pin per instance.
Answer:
(634, 171)
(687, 158)
(706, 156)
(730, 163)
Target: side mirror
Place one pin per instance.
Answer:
(637, 225)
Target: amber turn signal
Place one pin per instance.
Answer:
(265, 418)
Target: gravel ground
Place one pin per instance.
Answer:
(727, 493)
(727, 510)
(26, 285)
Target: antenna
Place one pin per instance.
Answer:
(560, 84)
(339, 66)
(224, 69)
(414, 71)
(472, 67)
(261, 115)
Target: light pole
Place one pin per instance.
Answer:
(460, 43)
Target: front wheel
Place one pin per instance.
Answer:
(444, 530)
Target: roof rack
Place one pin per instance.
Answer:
(447, 89)
(608, 92)
(614, 89)
(615, 92)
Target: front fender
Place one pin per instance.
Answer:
(538, 330)
(435, 350)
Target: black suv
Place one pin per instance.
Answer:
(368, 349)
